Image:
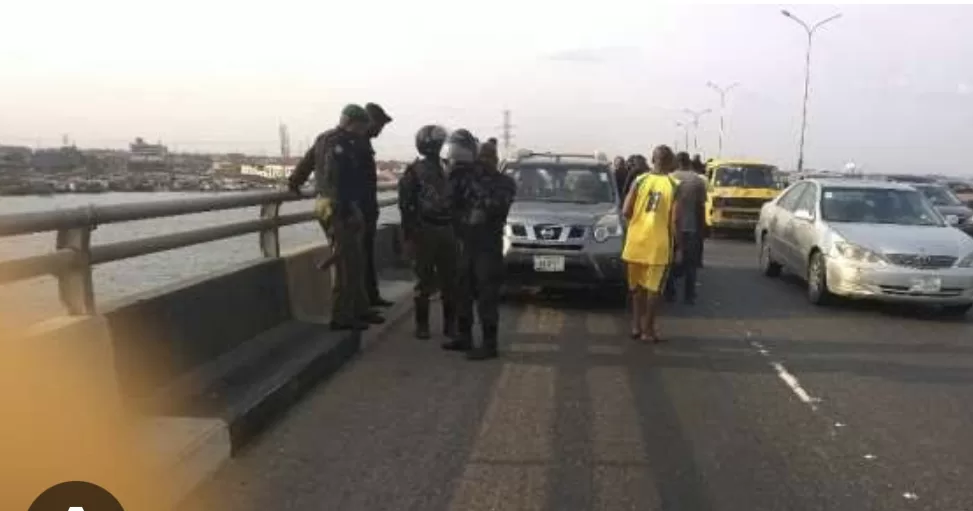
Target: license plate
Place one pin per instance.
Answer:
(548, 263)
(926, 285)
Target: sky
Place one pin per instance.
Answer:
(890, 86)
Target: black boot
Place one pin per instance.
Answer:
(487, 348)
(449, 320)
(422, 318)
(463, 340)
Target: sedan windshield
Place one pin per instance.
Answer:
(938, 195)
(586, 185)
(745, 176)
(877, 206)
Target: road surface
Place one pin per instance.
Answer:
(759, 401)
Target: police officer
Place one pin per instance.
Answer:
(378, 119)
(481, 201)
(427, 224)
(334, 159)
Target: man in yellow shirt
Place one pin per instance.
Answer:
(652, 213)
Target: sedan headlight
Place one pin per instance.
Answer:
(856, 253)
(966, 262)
(609, 226)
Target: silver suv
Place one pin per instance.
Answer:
(564, 229)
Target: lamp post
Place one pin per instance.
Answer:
(685, 134)
(696, 115)
(722, 91)
(810, 29)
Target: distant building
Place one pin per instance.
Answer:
(268, 171)
(147, 157)
(65, 159)
(15, 157)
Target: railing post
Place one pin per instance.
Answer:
(270, 238)
(74, 284)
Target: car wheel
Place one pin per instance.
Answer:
(817, 281)
(957, 311)
(770, 267)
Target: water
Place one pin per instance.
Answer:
(120, 278)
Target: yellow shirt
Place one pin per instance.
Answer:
(649, 237)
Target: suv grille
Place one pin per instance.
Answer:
(923, 262)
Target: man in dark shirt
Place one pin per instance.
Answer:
(378, 119)
(481, 198)
(425, 209)
(691, 196)
(334, 160)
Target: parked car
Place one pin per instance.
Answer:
(564, 229)
(963, 190)
(866, 239)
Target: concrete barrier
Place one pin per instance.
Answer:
(210, 362)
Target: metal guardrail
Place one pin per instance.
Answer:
(73, 257)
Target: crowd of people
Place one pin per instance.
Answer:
(453, 211)
(454, 203)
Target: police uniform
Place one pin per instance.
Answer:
(481, 201)
(427, 222)
(336, 166)
(369, 203)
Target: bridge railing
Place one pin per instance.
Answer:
(73, 257)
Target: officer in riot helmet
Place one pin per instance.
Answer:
(427, 222)
(481, 198)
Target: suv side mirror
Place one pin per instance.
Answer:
(952, 219)
(803, 214)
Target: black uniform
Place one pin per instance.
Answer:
(481, 202)
(425, 208)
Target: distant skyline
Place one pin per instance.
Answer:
(890, 85)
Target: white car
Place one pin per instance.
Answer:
(866, 239)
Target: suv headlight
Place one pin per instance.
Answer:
(856, 253)
(966, 262)
(609, 226)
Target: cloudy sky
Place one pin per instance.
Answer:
(890, 85)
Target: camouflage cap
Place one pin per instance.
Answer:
(354, 112)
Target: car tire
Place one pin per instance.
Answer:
(817, 281)
(770, 267)
(956, 311)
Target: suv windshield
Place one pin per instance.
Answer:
(877, 206)
(559, 183)
(745, 176)
(938, 195)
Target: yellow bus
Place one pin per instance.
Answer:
(736, 190)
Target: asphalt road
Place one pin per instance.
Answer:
(760, 401)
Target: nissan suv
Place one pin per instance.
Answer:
(564, 229)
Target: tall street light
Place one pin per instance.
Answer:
(722, 91)
(685, 134)
(807, 76)
(696, 115)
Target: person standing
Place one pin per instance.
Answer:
(620, 171)
(377, 120)
(636, 167)
(427, 224)
(652, 213)
(691, 197)
(481, 202)
(698, 165)
(334, 160)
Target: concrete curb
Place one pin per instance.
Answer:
(193, 450)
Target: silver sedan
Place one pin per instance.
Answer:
(866, 239)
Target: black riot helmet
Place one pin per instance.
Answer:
(430, 140)
(462, 146)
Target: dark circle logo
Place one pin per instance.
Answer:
(76, 496)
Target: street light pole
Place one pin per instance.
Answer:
(722, 91)
(807, 76)
(685, 133)
(696, 115)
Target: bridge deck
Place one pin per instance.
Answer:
(758, 402)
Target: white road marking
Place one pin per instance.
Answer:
(795, 385)
(910, 496)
